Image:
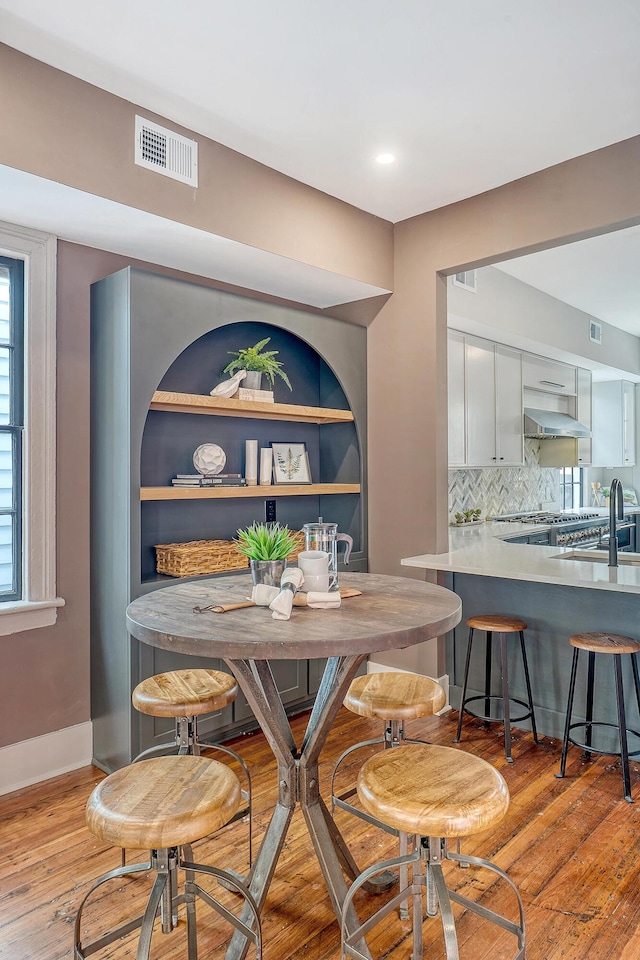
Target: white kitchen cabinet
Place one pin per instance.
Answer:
(480, 401)
(488, 413)
(614, 424)
(548, 376)
(584, 415)
(509, 438)
(455, 373)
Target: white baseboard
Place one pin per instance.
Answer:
(41, 758)
(373, 667)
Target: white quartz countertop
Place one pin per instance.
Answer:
(481, 550)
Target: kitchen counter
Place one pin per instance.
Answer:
(535, 583)
(482, 550)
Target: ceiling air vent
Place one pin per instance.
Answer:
(466, 279)
(166, 152)
(595, 331)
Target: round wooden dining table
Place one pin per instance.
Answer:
(390, 613)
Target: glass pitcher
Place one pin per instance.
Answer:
(325, 536)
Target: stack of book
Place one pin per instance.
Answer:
(219, 480)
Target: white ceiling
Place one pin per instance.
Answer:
(467, 95)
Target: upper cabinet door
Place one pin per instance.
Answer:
(509, 428)
(614, 441)
(480, 402)
(628, 423)
(583, 414)
(548, 376)
(456, 392)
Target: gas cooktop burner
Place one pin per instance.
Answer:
(547, 518)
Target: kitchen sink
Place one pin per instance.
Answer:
(600, 556)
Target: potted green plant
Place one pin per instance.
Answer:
(267, 545)
(258, 361)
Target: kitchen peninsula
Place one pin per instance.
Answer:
(559, 591)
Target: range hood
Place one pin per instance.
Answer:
(550, 423)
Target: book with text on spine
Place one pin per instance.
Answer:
(215, 476)
(211, 482)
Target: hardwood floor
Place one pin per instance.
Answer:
(572, 847)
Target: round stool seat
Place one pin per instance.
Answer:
(185, 693)
(394, 696)
(164, 802)
(604, 643)
(497, 624)
(432, 791)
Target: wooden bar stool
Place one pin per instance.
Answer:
(163, 805)
(185, 695)
(615, 646)
(435, 793)
(503, 626)
(392, 697)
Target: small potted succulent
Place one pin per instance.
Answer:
(267, 545)
(256, 361)
(468, 516)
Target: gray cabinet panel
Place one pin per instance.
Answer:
(149, 331)
(291, 680)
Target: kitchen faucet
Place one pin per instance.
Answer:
(616, 499)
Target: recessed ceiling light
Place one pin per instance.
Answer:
(385, 158)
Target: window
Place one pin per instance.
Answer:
(571, 484)
(11, 425)
(27, 430)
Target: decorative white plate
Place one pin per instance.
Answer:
(467, 523)
(209, 459)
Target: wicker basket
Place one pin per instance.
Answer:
(207, 556)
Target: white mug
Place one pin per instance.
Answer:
(315, 569)
(315, 584)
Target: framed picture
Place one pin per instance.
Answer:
(290, 463)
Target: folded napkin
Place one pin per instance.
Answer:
(324, 601)
(262, 594)
(281, 605)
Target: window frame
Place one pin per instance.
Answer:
(14, 427)
(39, 604)
(575, 483)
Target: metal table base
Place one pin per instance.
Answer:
(298, 782)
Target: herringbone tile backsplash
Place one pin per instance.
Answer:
(497, 490)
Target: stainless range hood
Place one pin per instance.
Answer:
(550, 423)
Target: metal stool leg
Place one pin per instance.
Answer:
(589, 709)
(464, 686)
(436, 848)
(488, 654)
(567, 722)
(528, 683)
(636, 678)
(622, 728)
(504, 668)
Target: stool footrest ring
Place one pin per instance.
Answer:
(498, 698)
(591, 749)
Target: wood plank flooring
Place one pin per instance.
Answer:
(572, 847)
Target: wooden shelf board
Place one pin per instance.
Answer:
(260, 490)
(230, 407)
